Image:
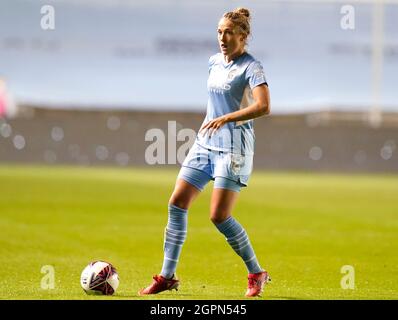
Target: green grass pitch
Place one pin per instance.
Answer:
(304, 228)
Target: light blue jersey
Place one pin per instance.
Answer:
(230, 89)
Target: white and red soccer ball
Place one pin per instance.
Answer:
(99, 277)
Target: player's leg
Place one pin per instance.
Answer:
(222, 203)
(184, 194)
(224, 197)
(189, 184)
(194, 174)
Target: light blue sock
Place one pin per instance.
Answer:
(174, 237)
(239, 241)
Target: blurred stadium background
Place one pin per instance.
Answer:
(86, 92)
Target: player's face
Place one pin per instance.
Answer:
(231, 42)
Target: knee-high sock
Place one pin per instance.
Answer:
(174, 237)
(239, 241)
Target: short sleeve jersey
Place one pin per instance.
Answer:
(230, 89)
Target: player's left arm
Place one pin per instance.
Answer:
(259, 108)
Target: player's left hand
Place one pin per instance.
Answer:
(212, 126)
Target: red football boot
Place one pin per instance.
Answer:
(160, 284)
(256, 283)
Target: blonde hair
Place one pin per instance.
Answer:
(240, 17)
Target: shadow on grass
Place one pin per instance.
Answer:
(286, 298)
(186, 296)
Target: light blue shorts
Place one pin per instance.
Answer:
(228, 170)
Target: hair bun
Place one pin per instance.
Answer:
(243, 11)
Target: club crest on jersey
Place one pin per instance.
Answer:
(232, 74)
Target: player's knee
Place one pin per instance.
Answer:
(179, 202)
(217, 218)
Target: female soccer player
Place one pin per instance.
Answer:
(223, 152)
